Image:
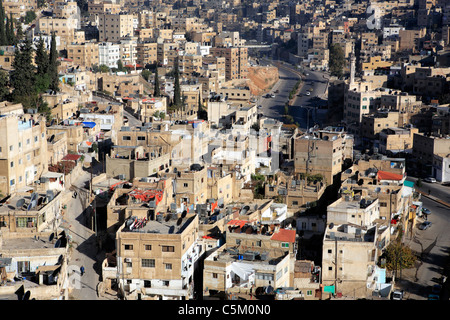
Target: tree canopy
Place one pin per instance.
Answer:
(337, 60)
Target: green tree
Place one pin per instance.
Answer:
(120, 66)
(398, 256)
(53, 66)
(41, 59)
(4, 86)
(29, 16)
(19, 31)
(22, 78)
(146, 74)
(3, 41)
(157, 90)
(177, 102)
(103, 68)
(337, 60)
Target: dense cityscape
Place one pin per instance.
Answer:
(224, 150)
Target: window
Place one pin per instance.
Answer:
(168, 248)
(140, 138)
(148, 263)
(128, 247)
(148, 247)
(126, 138)
(330, 251)
(309, 292)
(185, 185)
(215, 275)
(285, 244)
(168, 266)
(147, 284)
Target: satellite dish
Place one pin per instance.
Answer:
(167, 218)
(29, 207)
(171, 229)
(40, 200)
(331, 225)
(108, 108)
(52, 236)
(58, 243)
(179, 221)
(183, 214)
(52, 137)
(20, 203)
(269, 289)
(33, 203)
(26, 296)
(60, 259)
(34, 196)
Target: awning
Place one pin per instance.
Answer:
(46, 269)
(408, 183)
(88, 124)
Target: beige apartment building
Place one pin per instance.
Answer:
(321, 152)
(372, 124)
(7, 57)
(86, 54)
(23, 151)
(18, 7)
(167, 52)
(157, 259)
(74, 134)
(63, 9)
(101, 7)
(397, 140)
(62, 27)
(425, 147)
(411, 39)
(236, 61)
(256, 257)
(349, 258)
(114, 27)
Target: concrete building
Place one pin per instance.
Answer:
(114, 27)
(23, 151)
(254, 257)
(236, 61)
(84, 55)
(394, 140)
(321, 152)
(156, 259)
(349, 258)
(108, 54)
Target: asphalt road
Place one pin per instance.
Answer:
(435, 189)
(433, 246)
(274, 107)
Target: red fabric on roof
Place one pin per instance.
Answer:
(72, 157)
(284, 235)
(384, 175)
(239, 223)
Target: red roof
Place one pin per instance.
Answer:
(384, 175)
(72, 157)
(284, 235)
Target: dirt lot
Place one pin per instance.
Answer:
(260, 79)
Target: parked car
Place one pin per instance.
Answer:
(308, 93)
(430, 179)
(433, 297)
(425, 225)
(447, 183)
(272, 95)
(276, 91)
(426, 211)
(306, 74)
(260, 106)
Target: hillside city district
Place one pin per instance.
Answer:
(224, 150)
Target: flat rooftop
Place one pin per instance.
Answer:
(174, 225)
(21, 203)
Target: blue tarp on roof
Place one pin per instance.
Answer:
(88, 124)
